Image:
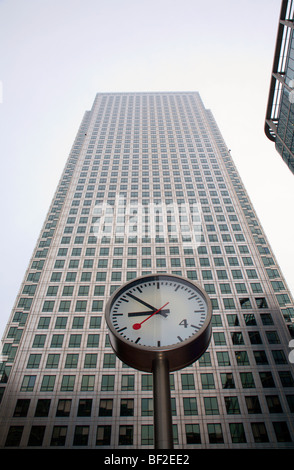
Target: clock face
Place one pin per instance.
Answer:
(158, 311)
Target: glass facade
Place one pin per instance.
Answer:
(149, 187)
(285, 129)
(279, 123)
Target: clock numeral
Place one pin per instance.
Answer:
(184, 323)
(179, 338)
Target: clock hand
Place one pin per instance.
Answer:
(135, 314)
(137, 326)
(142, 301)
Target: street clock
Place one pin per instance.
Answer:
(159, 315)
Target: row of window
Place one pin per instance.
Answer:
(126, 434)
(127, 406)
(75, 341)
(68, 382)
(99, 290)
(82, 305)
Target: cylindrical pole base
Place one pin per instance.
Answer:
(163, 431)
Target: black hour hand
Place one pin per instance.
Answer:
(164, 313)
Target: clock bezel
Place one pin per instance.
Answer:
(179, 355)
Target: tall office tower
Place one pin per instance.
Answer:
(149, 187)
(279, 121)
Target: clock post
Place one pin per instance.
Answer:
(159, 323)
(163, 430)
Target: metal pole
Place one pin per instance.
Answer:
(163, 431)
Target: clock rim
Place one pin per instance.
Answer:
(141, 357)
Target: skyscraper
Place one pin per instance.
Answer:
(279, 121)
(149, 187)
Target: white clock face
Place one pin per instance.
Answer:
(158, 312)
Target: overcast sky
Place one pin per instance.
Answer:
(57, 54)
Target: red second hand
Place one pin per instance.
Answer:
(137, 326)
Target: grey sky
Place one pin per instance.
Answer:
(57, 54)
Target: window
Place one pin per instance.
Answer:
(56, 341)
(219, 339)
(75, 341)
(34, 361)
(14, 436)
(52, 361)
(128, 382)
(58, 436)
(64, 306)
(90, 361)
(223, 358)
(227, 380)
(63, 408)
(205, 360)
(42, 408)
(207, 381)
(67, 384)
(92, 341)
(44, 323)
(267, 380)
(147, 382)
(107, 383)
(286, 378)
(147, 434)
(21, 408)
(237, 338)
(105, 407)
(147, 407)
(232, 405)
(125, 435)
(237, 433)
(190, 406)
(187, 382)
(88, 382)
(229, 304)
(211, 406)
(193, 433)
(103, 435)
(127, 407)
(242, 358)
(282, 431)
(259, 432)
(274, 404)
(81, 306)
(215, 433)
(81, 436)
(85, 407)
(253, 405)
(247, 380)
(109, 360)
(48, 306)
(39, 341)
(48, 383)
(71, 361)
(28, 383)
